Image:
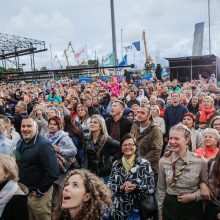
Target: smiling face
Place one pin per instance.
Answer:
(177, 141)
(28, 129)
(128, 148)
(210, 140)
(74, 193)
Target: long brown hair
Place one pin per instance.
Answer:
(70, 126)
(93, 209)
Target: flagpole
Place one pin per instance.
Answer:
(51, 57)
(134, 61)
(122, 44)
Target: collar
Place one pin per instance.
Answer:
(186, 157)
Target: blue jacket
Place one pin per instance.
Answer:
(37, 164)
(173, 115)
(5, 146)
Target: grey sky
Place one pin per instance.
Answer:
(169, 25)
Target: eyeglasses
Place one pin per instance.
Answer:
(129, 145)
(216, 124)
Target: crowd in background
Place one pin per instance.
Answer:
(103, 150)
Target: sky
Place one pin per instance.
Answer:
(169, 27)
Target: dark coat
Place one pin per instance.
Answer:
(17, 121)
(125, 125)
(132, 102)
(93, 110)
(16, 209)
(99, 159)
(192, 109)
(37, 163)
(141, 175)
(173, 115)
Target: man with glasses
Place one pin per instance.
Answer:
(20, 113)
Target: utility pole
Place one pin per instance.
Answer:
(210, 49)
(113, 32)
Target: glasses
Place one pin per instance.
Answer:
(129, 145)
(216, 124)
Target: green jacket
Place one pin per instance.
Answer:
(149, 143)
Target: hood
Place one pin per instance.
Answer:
(127, 111)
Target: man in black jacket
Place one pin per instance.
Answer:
(87, 101)
(117, 125)
(38, 169)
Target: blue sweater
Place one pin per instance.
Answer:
(173, 115)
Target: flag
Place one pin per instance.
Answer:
(135, 46)
(124, 61)
(80, 54)
(108, 60)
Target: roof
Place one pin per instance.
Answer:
(191, 58)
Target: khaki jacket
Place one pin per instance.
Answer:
(150, 142)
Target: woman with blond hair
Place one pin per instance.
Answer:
(100, 150)
(181, 173)
(83, 197)
(13, 196)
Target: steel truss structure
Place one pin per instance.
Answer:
(15, 46)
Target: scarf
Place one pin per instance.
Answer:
(128, 164)
(54, 137)
(6, 194)
(206, 114)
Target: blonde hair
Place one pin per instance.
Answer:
(103, 132)
(9, 166)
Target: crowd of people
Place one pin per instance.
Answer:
(113, 150)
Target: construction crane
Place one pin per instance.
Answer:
(149, 65)
(70, 46)
(57, 59)
(66, 56)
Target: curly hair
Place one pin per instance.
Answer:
(92, 209)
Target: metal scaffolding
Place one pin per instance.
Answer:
(15, 46)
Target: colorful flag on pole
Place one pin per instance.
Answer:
(124, 61)
(135, 46)
(80, 54)
(108, 60)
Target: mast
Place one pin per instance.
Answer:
(145, 45)
(210, 49)
(113, 32)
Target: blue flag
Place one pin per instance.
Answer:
(137, 45)
(124, 61)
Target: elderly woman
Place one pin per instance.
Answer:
(207, 113)
(155, 112)
(83, 197)
(131, 179)
(13, 196)
(180, 174)
(210, 149)
(189, 121)
(100, 150)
